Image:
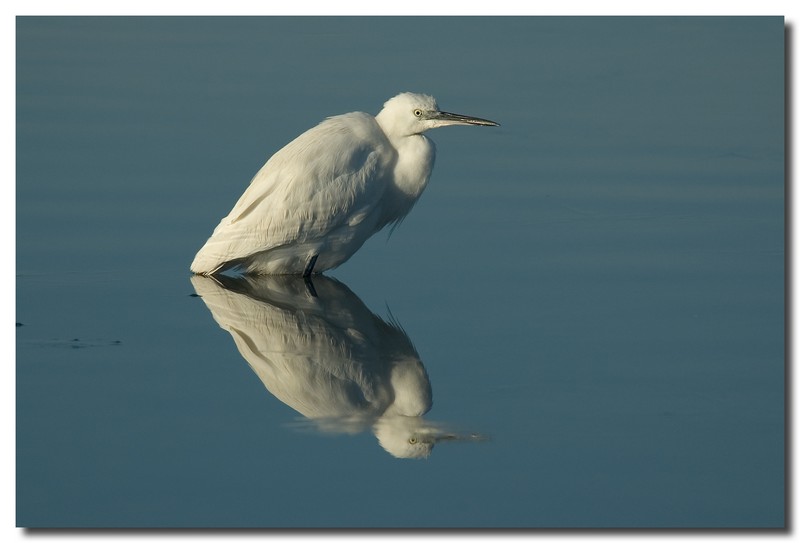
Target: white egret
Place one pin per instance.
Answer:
(328, 357)
(317, 200)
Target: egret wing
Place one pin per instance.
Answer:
(329, 175)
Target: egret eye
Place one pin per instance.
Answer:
(412, 440)
(417, 113)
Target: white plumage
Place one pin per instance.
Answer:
(317, 200)
(330, 358)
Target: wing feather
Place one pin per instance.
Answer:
(329, 176)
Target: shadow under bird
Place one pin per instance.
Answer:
(316, 201)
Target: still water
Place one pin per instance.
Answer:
(581, 324)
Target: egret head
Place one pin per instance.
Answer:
(405, 437)
(415, 437)
(407, 114)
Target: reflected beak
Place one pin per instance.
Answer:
(447, 436)
(445, 118)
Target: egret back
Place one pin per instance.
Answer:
(321, 194)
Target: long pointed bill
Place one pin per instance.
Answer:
(436, 437)
(445, 118)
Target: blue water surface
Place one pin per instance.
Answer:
(588, 300)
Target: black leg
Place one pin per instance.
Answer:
(312, 292)
(310, 266)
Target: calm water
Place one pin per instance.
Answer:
(591, 296)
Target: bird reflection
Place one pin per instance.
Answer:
(318, 349)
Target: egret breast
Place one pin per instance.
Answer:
(415, 157)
